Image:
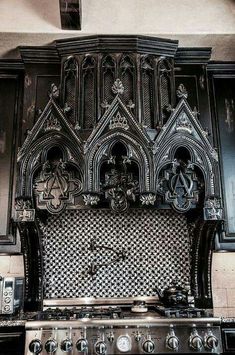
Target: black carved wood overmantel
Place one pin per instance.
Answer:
(118, 134)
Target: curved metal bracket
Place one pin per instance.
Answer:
(95, 266)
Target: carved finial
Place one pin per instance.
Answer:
(181, 92)
(54, 92)
(118, 87)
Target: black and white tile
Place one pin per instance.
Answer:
(156, 244)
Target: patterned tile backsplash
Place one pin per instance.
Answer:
(156, 245)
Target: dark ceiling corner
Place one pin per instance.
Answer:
(70, 13)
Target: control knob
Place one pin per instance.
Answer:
(82, 345)
(100, 348)
(212, 342)
(196, 342)
(51, 346)
(173, 342)
(148, 346)
(35, 346)
(66, 345)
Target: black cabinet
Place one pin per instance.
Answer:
(10, 103)
(222, 94)
(12, 340)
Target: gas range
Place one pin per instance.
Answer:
(122, 329)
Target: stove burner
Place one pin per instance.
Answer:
(181, 312)
(101, 313)
(80, 313)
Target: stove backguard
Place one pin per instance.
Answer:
(155, 244)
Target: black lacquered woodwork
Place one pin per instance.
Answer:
(129, 128)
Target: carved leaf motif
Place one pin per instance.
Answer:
(118, 87)
(91, 200)
(148, 199)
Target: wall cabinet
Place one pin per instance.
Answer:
(222, 82)
(10, 107)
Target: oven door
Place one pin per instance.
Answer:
(229, 340)
(12, 340)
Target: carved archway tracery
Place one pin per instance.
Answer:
(183, 130)
(57, 182)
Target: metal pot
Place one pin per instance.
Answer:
(174, 295)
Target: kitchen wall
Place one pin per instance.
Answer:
(193, 23)
(11, 265)
(223, 284)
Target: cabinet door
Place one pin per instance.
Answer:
(224, 94)
(9, 128)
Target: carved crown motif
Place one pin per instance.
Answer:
(183, 123)
(118, 122)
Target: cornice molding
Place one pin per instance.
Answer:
(221, 67)
(11, 64)
(116, 43)
(190, 55)
(40, 54)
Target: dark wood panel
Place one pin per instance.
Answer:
(190, 82)
(43, 85)
(194, 78)
(224, 90)
(9, 127)
(38, 79)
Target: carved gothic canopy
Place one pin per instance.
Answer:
(119, 165)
